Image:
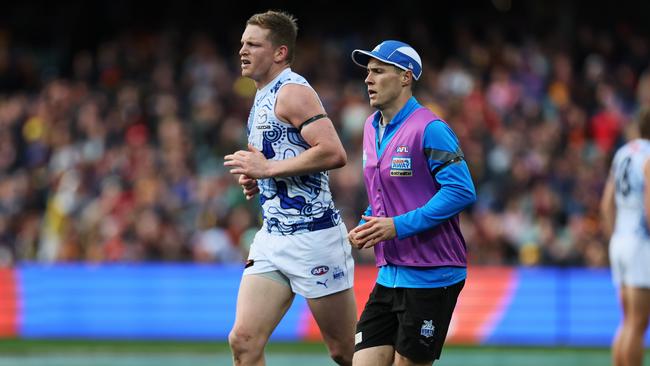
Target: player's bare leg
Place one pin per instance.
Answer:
(261, 304)
(618, 346)
(374, 356)
(336, 316)
(637, 323)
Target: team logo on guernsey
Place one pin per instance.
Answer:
(261, 121)
(400, 167)
(427, 329)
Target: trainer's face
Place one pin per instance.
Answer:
(384, 84)
(256, 53)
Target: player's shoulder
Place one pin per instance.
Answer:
(296, 96)
(292, 83)
(290, 77)
(633, 147)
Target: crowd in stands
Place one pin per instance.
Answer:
(119, 157)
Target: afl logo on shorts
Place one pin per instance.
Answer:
(320, 270)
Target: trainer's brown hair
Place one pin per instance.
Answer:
(644, 122)
(282, 27)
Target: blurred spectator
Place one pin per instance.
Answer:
(121, 160)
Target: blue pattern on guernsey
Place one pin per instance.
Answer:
(290, 205)
(441, 144)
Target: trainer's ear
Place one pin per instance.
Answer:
(407, 77)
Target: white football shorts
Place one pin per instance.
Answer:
(630, 261)
(317, 263)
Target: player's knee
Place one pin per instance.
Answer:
(341, 355)
(242, 341)
(639, 324)
(341, 359)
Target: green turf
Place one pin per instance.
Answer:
(22, 346)
(173, 353)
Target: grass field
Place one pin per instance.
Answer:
(164, 353)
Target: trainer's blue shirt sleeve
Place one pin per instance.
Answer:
(367, 212)
(456, 187)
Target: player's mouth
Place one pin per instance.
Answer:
(371, 93)
(245, 62)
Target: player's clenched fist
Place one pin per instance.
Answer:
(249, 186)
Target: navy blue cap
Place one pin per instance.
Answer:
(395, 53)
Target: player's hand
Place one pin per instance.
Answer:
(375, 230)
(352, 238)
(249, 186)
(251, 163)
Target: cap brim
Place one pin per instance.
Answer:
(361, 58)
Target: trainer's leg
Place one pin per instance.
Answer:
(618, 346)
(261, 304)
(637, 322)
(374, 356)
(336, 316)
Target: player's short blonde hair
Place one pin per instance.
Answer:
(282, 27)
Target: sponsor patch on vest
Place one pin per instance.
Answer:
(400, 167)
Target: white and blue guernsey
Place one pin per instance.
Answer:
(290, 205)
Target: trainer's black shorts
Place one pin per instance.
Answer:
(412, 320)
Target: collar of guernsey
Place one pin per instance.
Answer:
(271, 83)
(392, 127)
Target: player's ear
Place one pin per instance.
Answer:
(281, 53)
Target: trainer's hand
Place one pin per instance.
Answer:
(251, 163)
(249, 186)
(375, 230)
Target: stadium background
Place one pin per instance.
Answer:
(118, 221)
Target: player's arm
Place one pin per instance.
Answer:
(449, 169)
(608, 205)
(646, 191)
(298, 104)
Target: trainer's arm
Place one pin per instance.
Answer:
(608, 206)
(367, 212)
(296, 104)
